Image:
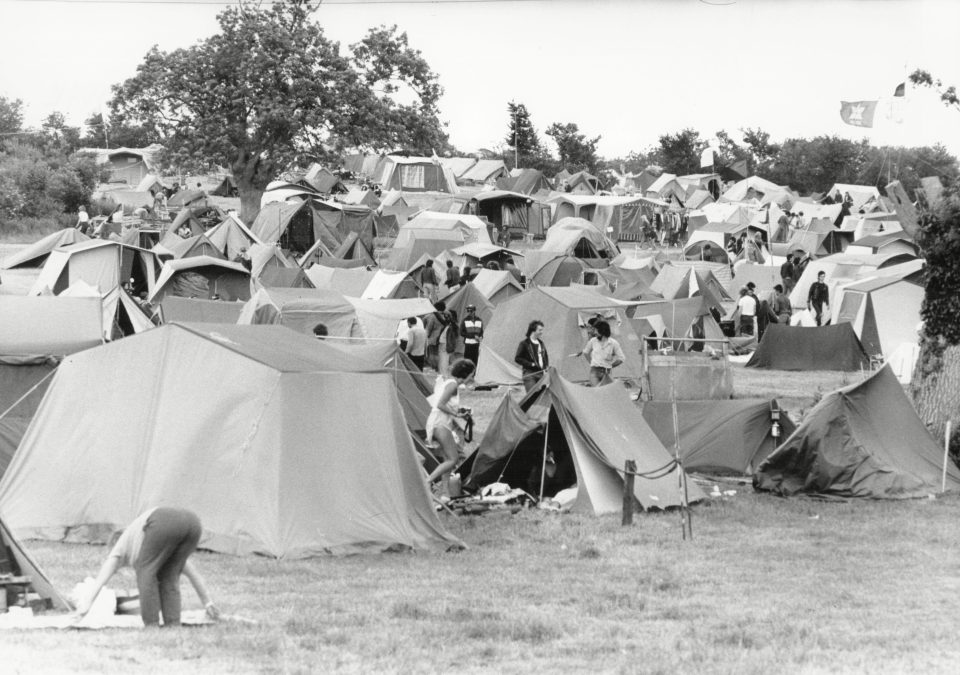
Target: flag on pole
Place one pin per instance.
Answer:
(858, 113)
(706, 158)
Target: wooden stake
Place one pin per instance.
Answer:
(946, 457)
(629, 469)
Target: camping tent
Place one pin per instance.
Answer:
(590, 433)
(198, 310)
(864, 440)
(416, 174)
(231, 235)
(716, 436)
(35, 332)
(202, 277)
(15, 560)
(884, 312)
(833, 347)
(579, 237)
(37, 253)
(301, 309)
(295, 225)
(269, 461)
(565, 312)
(175, 246)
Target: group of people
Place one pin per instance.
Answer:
(421, 339)
(757, 313)
(668, 226)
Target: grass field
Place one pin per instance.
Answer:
(766, 585)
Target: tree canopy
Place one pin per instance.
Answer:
(270, 90)
(576, 151)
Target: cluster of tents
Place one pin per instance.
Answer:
(219, 398)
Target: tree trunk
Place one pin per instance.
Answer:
(249, 202)
(247, 171)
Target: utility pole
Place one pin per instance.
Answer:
(516, 139)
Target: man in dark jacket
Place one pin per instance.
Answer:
(819, 297)
(532, 355)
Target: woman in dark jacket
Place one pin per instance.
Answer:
(532, 355)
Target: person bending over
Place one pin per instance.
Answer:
(157, 545)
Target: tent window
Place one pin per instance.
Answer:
(412, 177)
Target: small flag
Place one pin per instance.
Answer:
(858, 113)
(900, 90)
(706, 158)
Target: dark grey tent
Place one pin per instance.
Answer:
(834, 347)
(731, 436)
(864, 440)
(590, 432)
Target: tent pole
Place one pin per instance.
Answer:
(543, 468)
(946, 457)
(685, 524)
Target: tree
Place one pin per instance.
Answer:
(577, 152)
(521, 136)
(11, 115)
(59, 134)
(270, 89)
(101, 133)
(680, 153)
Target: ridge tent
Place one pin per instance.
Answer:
(175, 246)
(230, 235)
(458, 165)
(884, 312)
(865, 441)
(524, 181)
(16, 561)
(37, 253)
(548, 268)
(301, 309)
(565, 311)
(391, 285)
(468, 294)
(415, 174)
(496, 285)
(580, 182)
(204, 277)
(578, 237)
(103, 264)
(484, 171)
(719, 436)
(294, 225)
(323, 180)
(283, 277)
(591, 432)
(833, 347)
(265, 466)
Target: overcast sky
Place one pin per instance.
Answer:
(627, 71)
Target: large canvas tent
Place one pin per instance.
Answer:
(590, 432)
(716, 436)
(416, 174)
(566, 312)
(203, 277)
(834, 347)
(294, 225)
(864, 440)
(270, 462)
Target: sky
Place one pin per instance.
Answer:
(626, 71)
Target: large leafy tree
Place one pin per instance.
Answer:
(11, 115)
(679, 153)
(577, 152)
(270, 89)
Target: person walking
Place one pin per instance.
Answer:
(781, 305)
(819, 297)
(429, 281)
(157, 545)
(532, 355)
(416, 347)
(471, 330)
(441, 427)
(434, 324)
(604, 354)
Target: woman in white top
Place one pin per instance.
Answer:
(444, 409)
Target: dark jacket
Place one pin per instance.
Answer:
(526, 356)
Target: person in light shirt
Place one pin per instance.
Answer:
(604, 354)
(747, 304)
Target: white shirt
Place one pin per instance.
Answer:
(748, 305)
